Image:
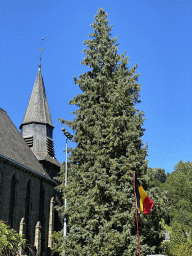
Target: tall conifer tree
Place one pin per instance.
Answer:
(108, 131)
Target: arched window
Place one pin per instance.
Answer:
(12, 201)
(41, 213)
(27, 208)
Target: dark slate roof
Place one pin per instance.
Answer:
(13, 146)
(47, 157)
(38, 109)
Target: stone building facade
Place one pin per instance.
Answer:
(27, 168)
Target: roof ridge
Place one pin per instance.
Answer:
(13, 146)
(3, 110)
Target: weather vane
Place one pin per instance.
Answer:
(41, 49)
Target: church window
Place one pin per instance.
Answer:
(27, 208)
(50, 148)
(12, 201)
(29, 141)
(41, 212)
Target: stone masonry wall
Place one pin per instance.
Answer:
(7, 169)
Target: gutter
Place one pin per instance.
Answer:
(30, 170)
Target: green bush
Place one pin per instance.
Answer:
(10, 240)
(57, 241)
(184, 249)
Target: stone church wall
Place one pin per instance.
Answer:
(22, 176)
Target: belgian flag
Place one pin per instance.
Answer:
(144, 203)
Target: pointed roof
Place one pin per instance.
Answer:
(14, 148)
(38, 108)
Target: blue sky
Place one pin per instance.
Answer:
(155, 34)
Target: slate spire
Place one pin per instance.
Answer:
(38, 108)
(37, 127)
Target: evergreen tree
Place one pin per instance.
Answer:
(108, 131)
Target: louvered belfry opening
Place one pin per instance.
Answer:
(29, 141)
(50, 148)
(37, 127)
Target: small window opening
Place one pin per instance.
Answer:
(29, 141)
(50, 148)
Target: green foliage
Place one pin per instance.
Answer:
(184, 249)
(178, 188)
(178, 235)
(179, 244)
(160, 176)
(154, 221)
(10, 240)
(108, 131)
(57, 239)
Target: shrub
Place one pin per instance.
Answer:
(10, 240)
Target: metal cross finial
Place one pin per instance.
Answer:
(41, 49)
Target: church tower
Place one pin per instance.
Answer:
(37, 127)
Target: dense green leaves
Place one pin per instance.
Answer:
(108, 131)
(178, 189)
(10, 240)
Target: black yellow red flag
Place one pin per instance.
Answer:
(144, 203)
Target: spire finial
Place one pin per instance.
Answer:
(41, 49)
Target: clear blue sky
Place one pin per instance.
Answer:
(155, 34)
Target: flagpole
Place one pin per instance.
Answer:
(136, 212)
